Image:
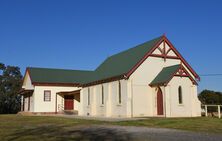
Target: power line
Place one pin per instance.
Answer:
(216, 74)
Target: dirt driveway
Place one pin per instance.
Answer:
(125, 133)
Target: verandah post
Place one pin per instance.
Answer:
(206, 110)
(219, 111)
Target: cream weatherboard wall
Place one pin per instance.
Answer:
(27, 83)
(190, 106)
(144, 95)
(111, 106)
(37, 103)
(26, 102)
(49, 106)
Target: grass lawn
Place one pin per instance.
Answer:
(200, 124)
(17, 127)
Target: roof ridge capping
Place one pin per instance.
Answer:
(139, 45)
(59, 69)
(121, 63)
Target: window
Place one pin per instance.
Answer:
(119, 94)
(180, 97)
(47, 95)
(102, 94)
(88, 96)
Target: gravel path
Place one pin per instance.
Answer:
(125, 133)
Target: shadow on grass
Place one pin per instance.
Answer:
(60, 133)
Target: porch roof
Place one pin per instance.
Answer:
(165, 75)
(23, 92)
(69, 92)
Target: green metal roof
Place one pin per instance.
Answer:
(165, 75)
(46, 75)
(123, 62)
(116, 65)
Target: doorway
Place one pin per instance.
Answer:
(68, 102)
(159, 102)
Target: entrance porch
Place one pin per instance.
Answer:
(26, 100)
(68, 103)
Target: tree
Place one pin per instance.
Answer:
(10, 84)
(208, 97)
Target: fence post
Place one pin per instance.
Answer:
(206, 110)
(219, 111)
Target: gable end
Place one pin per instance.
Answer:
(164, 53)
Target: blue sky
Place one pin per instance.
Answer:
(80, 34)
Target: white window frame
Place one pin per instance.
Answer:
(47, 98)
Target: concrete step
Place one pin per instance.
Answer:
(70, 112)
(25, 113)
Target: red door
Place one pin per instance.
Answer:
(159, 102)
(68, 104)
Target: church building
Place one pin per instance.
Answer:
(149, 80)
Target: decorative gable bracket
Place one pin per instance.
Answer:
(182, 72)
(167, 73)
(164, 52)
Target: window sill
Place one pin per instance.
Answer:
(181, 105)
(118, 104)
(102, 105)
(88, 106)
